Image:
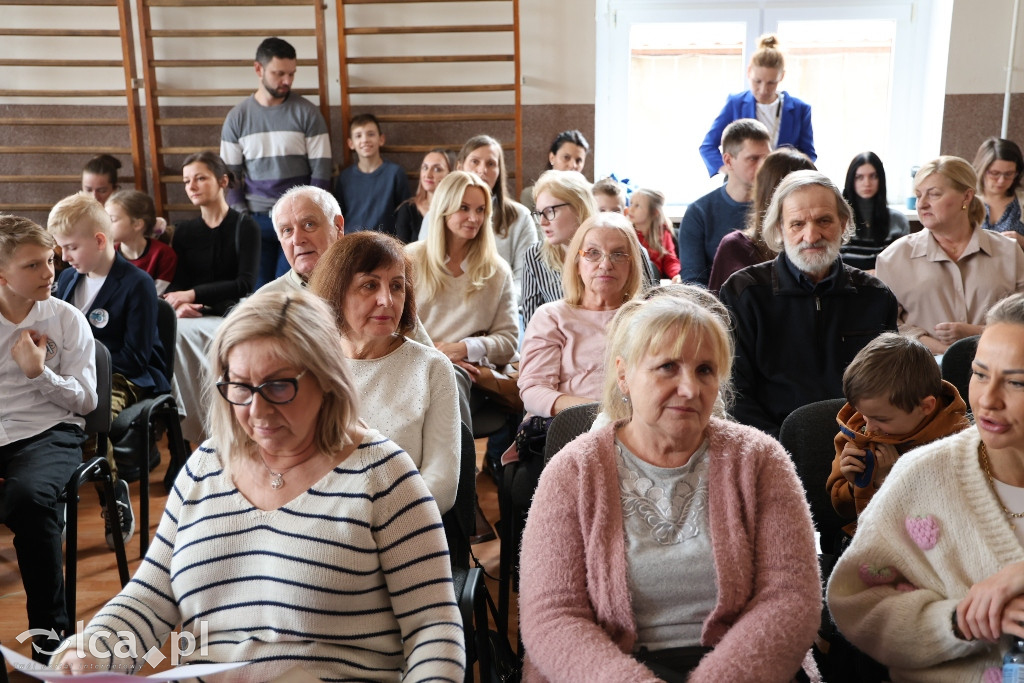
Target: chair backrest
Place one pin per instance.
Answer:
(809, 433)
(956, 363)
(567, 425)
(460, 521)
(97, 421)
(167, 331)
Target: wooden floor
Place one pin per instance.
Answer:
(97, 570)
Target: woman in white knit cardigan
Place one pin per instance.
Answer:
(933, 584)
(464, 290)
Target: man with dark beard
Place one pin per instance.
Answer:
(272, 141)
(800, 319)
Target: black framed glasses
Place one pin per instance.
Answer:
(596, 256)
(276, 391)
(549, 213)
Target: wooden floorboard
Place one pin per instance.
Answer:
(97, 570)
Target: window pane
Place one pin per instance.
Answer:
(843, 69)
(680, 75)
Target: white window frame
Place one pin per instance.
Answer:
(918, 79)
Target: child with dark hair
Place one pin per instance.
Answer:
(371, 189)
(133, 227)
(896, 401)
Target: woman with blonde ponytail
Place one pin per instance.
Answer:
(948, 275)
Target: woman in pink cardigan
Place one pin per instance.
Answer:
(562, 362)
(684, 546)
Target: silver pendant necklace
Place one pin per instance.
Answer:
(276, 478)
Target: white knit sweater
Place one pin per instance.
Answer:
(938, 526)
(350, 579)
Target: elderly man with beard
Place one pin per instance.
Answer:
(800, 319)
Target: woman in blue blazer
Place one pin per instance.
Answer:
(787, 118)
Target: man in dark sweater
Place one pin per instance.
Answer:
(799, 320)
(745, 144)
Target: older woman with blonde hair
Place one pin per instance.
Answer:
(967, 268)
(368, 279)
(685, 546)
(563, 349)
(318, 542)
(563, 200)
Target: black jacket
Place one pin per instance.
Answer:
(792, 345)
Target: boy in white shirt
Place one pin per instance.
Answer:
(47, 381)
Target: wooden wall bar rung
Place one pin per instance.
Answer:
(63, 3)
(125, 180)
(190, 63)
(229, 33)
(228, 3)
(221, 92)
(64, 149)
(410, 89)
(188, 150)
(399, 2)
(26, 207)
(60, 32)
(431, 118)
(198, 121)
(423, 149)
(455, 28)
(61, 93)
(432, 58)
(62, 62)
(39, 121)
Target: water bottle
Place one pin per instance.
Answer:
(1013, 662)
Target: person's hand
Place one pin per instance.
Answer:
(80, 661)
(176, 299)
(1015, 236)
(473, 370)
(29, 352)
(980, 614)
(677, 279)
(947, 333)
(189, 310)
(1013, 617)
(851, 462)
(455, 351)
(885, 457)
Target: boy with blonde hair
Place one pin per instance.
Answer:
(47, 381)
(120, 303)
(896, 401)
(610, 195)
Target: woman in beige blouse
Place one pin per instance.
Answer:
(949, 274)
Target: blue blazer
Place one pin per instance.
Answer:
(123, 317)
(795, 129)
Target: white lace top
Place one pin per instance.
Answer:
(670, 565)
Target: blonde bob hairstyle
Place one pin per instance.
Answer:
(573, 189)
(772, 227)
(959, 175)
(572, 283)
(662, 324)
(482, 259)
(300, 328)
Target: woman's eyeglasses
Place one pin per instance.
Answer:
(1005, 175)
(596, 256)
(276, 391)
(548, 213)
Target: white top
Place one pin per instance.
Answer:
(86, 291)
(410, 395)
(67, 387)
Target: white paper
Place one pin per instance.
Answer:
(36, 670)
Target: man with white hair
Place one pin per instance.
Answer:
(307, 221)
(801, 318)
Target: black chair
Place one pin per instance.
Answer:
(96, 469)
(459, 525)
(808, 434)
(152, 413)
(519, 481)
(956, 363)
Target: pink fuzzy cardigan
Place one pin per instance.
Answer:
(575, 614)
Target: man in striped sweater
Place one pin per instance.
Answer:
(272, 141)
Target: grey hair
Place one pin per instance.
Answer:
(323, 199)
(772, 228)
(1009, 310)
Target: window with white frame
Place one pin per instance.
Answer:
(664, 72)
